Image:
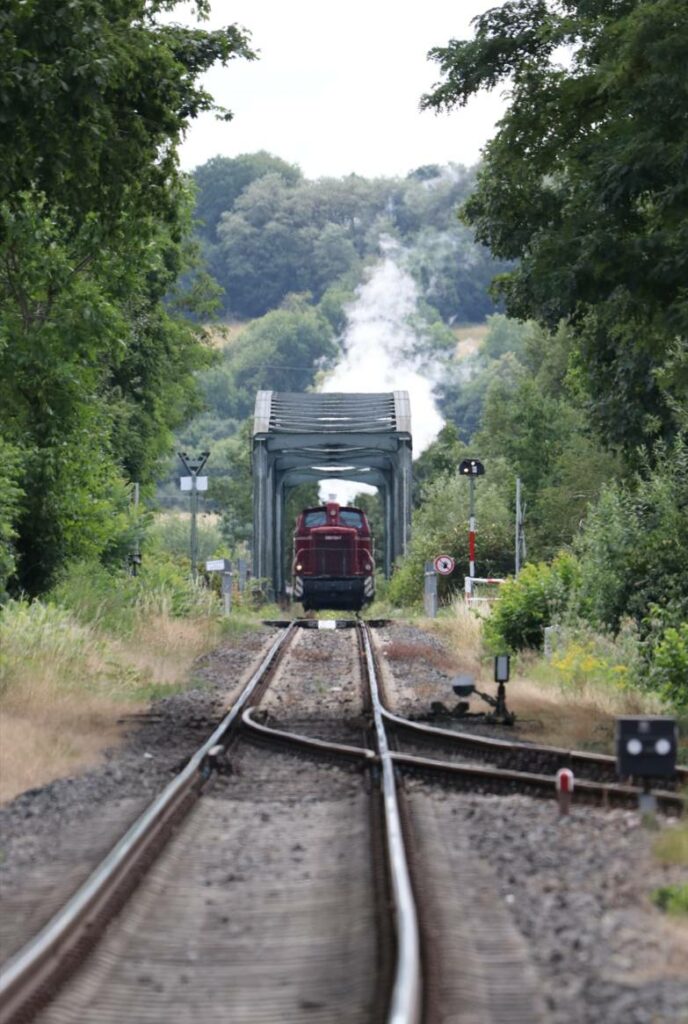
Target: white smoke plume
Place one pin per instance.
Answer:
(379, 346)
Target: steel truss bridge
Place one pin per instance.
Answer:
(300, 437)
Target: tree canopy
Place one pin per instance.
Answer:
(96, 363)
(585, 185)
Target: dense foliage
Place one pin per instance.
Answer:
(587, 398)
(268, 232)
(95, 367)
(584, 183)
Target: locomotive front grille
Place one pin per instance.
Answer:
(334, 555)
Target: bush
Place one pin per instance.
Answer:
(634, 547)
(10, 497)
(115, 602)
(669, 668)
(536, 598)
(671, 898)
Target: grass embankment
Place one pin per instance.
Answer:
(102, 646)
(571, 701)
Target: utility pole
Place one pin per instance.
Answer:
(194, 483)
(520, 546)
(517, 549)
(136, 553)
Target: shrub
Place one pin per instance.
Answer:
(115, 602)
(633, 550)
(669, 668)
(536, 598)
(671, 898)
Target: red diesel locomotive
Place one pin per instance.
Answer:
(333, 558)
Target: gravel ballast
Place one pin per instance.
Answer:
(53, 836)
(568, 898)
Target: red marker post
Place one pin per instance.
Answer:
(564, 784)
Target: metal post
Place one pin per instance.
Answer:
(194, 532)
(517, 561)
(193, 467)
(430, 591)
(227, 591)
(136, 554)
(471, 527)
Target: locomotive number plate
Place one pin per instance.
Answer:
(332, 537)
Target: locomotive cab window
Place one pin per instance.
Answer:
(349, 517)
(316, 518)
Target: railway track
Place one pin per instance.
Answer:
(404, 955)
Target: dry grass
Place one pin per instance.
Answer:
(40, 742)
(469, 338)
(163, 649)
(580, 716)
(461, 633)
(64, 686)
(671, 847)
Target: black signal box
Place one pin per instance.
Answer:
(646, 747)
(471, 467)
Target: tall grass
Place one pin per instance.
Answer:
(103, 644)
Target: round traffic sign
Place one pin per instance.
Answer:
(445, 565)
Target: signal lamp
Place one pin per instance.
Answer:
(463, 686)
(646, 747)
(501, 668)
(471, 467)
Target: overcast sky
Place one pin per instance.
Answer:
(338, 85)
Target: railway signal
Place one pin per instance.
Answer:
(194, 483)
(471, 468)
(464, 685)
(646, 749)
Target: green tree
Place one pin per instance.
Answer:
(440, 526)
(94, 98)
(221, 180)
(584, 184)
(95, 362)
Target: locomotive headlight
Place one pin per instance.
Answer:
(299, 568)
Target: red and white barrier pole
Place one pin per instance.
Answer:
(471, 528)
(564, 784)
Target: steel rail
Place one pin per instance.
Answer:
(496, 779)
(297, 739)
(42, 960)
(405, 1004)
(506, 780)
(582, 760)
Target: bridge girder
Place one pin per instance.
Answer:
(300, 437)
